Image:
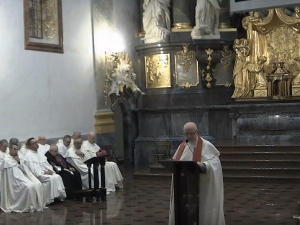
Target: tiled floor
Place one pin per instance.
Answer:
(146, 202)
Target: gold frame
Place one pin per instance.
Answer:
(158, 71)
(52, 38)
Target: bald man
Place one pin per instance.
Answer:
(71, 177)
(211, 192)
(113, 176)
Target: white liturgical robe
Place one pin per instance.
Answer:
(113, 175)
(43, 148)
(53, 184)
(21, 190)
(22, 152)
(62, 149)
(211, 192)
(2, 155)
(78, 163)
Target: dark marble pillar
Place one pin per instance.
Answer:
(224, 18)
(181, 13)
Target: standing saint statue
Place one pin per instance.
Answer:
(207, 19)
(156, 20)
(243, 82)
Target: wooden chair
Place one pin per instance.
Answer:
(161, 151)
(111, 152)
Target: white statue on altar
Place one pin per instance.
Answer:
(156, 21)
(123, 76)
(207, 20)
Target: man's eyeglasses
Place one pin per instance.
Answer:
(190, 133)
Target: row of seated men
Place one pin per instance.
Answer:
(36, 174)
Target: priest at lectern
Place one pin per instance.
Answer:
(211, 192)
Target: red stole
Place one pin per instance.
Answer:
(197, 150)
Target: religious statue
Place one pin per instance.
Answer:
(123, 76)
(258, 69)
(243, 82)
(156, 20)
(296, 73)
(207, 19)
(117, 83)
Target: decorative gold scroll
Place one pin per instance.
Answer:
(157, 68)
(186, 68)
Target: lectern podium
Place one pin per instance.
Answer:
(186, 190)
(100, 194)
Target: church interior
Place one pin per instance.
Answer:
(96, 66)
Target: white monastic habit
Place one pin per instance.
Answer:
(53, 184)
(211, 192)
(113, 175)
(21, 190)
(2, 155)
(61, 141)
(21, 153)
(62, 149)
(43, 148)
(78, 162)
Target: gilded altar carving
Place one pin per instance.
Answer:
(119, 75)
(208, 72)
(186, 68)
(271, 40)
(226, 55)
(157, 68)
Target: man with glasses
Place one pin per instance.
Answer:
(64, 145)
(211, 192)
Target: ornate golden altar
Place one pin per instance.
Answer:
(267, 62)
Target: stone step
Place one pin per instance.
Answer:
(252, 171)
(261, 163)
(261, 179)
(258, 148)
(260, 155)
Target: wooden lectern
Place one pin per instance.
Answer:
(186, 190)
(100, 194)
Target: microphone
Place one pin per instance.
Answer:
(187, 140)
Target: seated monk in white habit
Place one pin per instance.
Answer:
(39, 166)
(64, 145)
(75, 157)
(3, 152)
(43, 147)
(21, 190)
(76, 134)
(3, 146)
(113, 176)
